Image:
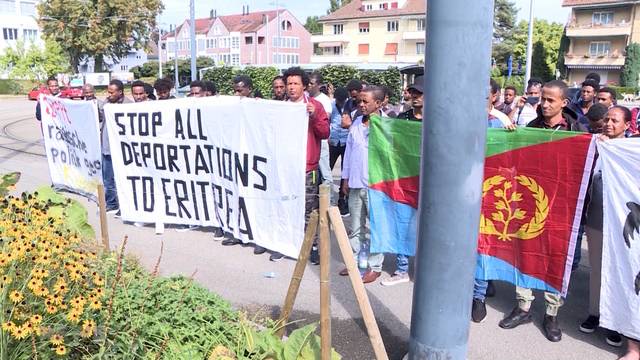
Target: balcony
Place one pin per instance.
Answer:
(595, 30)
(339, 38)
(413, 35)
(587, 61)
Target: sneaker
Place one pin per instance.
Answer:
(112, 210)
(259, 250)
(370, 276)
(117, 215)
(395, 279)
(185, 228)
(613, 338)
(478, 311)
(314, 258)
(343, 207)
(218, 234)
(230, 242)
(276, 256)
(138, 224)
(590, 325)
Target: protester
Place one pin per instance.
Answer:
(115, 95)
(405, 105)
(590, 76)
(554, 115)
(596, 115)
(242, 86)
(354, 87)
(606, 96)
(163, 89)
(415, 91)
(88, 92)
(210, 88)
(297, 80)
(148, 88)
(526, 108)
(54, 90)
(138, 91)
(315, 83)
(497, 119)
(616, 122)
(196, 89)
(509, 96)
(355, 181)
(388, 109)
(278, 89)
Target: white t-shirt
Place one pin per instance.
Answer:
(526, 116)
(326, 103)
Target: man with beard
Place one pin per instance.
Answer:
(278, 89)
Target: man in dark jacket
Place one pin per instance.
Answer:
(553, 112)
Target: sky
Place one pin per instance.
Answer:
(178, 10)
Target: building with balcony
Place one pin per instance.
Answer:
(18, 22)
(598, 32)
(252, 38)
(372, 31)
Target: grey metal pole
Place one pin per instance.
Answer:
(192, 15)
(527, 75)
(160, 53)
(175, 72)
(457, 61)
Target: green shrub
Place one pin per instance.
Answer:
(16, 87)
(624, 90)
(222, 77)
(261, 77)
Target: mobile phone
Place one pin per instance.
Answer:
(533, 100)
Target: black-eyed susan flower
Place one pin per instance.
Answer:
(56, 340)
(16, 296)
(61, 350)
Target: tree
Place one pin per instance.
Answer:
(631, 70)
(504, 22)
(98, 28)
(312, 25)
(34, 63)
(336, 4)
(539, 66)
(549, 34)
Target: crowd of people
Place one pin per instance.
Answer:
(339, 129)
(550, 106)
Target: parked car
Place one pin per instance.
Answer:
(36, 91)
(74, 92)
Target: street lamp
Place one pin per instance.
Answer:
(527, 75)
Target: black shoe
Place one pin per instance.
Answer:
(551, 329)
(343, 207)
(491, 289)
(314, 258)
(218, 234)
(230, 242)
(613, 338)
(517, 317)
(478, 311)
(590, 325)
(112, 209)
(118, 214)
(276, 256)
(258, 250)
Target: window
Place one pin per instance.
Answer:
(392, 26)
(30, 34)
(337, 50)
(235, 59)
(368, 7)
(286, 42)
(384, 6)
(248, 40)
(10, 34)
(420, 24)
(27, 9)
(171, 46)
(338, 29)
(235, 42)
(420, 48)
(391, 49)
(124, 67)
(285, 25)
(599, 48)
(602, 18)
(7, 7)
(394, 5)
(200, 44)
(363, 49)
(364, 27)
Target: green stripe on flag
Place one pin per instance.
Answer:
(500, 141)
(394, 149)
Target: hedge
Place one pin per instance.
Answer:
(16, 87)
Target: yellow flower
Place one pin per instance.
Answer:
(56, 340)
(6, 280)
(52, 309)
(73, 317)
(19, 332)
(95, 305)
(34, 284)
(88, 324)
(78, 301)
(98, 281)
(60, 287)
(36, 319)
(61, 350)
(16, 296)
(8, 325)
(42, 291)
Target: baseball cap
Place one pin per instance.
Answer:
(418, 84)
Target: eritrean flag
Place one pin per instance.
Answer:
(533, 193)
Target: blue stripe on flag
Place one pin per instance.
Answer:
(491, 268)
(393, 225)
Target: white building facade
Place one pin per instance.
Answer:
(18, 22)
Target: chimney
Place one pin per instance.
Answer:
(243, 11)
(264, 19)
(247, 9)
(211, 14)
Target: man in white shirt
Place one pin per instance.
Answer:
(315, 81)
(526, 108)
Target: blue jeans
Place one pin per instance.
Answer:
(402, 264)
(577, 255)
(360, 237)
(110, 194)
(480, 289)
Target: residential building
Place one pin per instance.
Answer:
(135, 57)
(249, 38)
(598, 32)
(372, 31)
(18, 22)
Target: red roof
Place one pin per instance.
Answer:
(591, 2)
(353, 10)
(240, 23)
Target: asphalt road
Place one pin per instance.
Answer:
(239, 276)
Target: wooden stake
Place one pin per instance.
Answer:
(298, 272)
(104, 228)
(325, 290)
(358, 286)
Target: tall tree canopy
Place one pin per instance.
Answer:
(32, 62)
(312, 25)
(98, 28)
(336, 4)
(631, 70)
(548, 34)
(504, 22)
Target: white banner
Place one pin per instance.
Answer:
(72, 144)
(230, 162)
(620, 290)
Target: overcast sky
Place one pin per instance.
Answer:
(178, 10)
